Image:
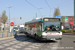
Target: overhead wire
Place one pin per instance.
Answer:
(34, 7)
(48, 6)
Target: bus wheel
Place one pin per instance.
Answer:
(35, 35)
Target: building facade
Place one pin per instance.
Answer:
(66, 21)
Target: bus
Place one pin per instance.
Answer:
(44, 28)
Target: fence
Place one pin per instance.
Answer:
(7, 34)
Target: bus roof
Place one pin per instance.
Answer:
(37, 20)
(32, 21)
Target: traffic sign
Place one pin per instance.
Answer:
(66, 17)
(71, 22)
(12, 23)
(58, 16)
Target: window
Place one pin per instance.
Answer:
(51, 26)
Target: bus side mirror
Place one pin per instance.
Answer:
(41, 24)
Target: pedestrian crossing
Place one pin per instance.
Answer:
(29, 44)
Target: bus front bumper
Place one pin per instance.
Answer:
(52, 37)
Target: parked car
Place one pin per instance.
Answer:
(16, 29)
(73, 27)
(66, 28)
(21, 30)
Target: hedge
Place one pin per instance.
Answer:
(67, 31)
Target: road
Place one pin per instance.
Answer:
(25, 43)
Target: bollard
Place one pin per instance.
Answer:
(11, 33)
(7, 33)
(2, 34)
(15, 34)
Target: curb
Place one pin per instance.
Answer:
(6, 38)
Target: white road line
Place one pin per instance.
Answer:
(30, 46)
(37, 45)
(6, 44)
(1, 46)
(54, 47)
(27, 48)
(9, 48)
(17, 46)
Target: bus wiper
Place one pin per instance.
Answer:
(46, 31)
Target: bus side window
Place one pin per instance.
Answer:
(30, 28)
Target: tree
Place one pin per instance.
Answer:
(4, 18)
(57, 12)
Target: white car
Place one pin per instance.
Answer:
(16, 29)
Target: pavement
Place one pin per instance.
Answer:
(5, 36)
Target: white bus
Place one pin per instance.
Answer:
(44, 28)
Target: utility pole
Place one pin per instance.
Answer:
(14, 21)
(9, 16)
(74, 12)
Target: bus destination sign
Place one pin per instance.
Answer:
(51, 19)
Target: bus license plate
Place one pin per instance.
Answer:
(54, 34)
(53, 39)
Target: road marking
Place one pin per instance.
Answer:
(10, 48)
(6, 44)
(27, 48)
(17, 46)
(37, 45)
(1, 46)
(54, 47)
(30, 46)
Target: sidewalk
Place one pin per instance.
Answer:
(6, 38)
(6, 34)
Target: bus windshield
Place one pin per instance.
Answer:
(51, 26)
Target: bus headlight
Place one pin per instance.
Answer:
(44, 34)
(60, 33)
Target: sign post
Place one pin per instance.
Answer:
(71, 22)
(74, 12)
(12, 24)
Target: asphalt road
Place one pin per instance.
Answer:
(22, 42)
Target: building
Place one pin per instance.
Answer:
(66, 21)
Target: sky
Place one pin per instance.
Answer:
(27, 9)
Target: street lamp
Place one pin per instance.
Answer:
(9, 16)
